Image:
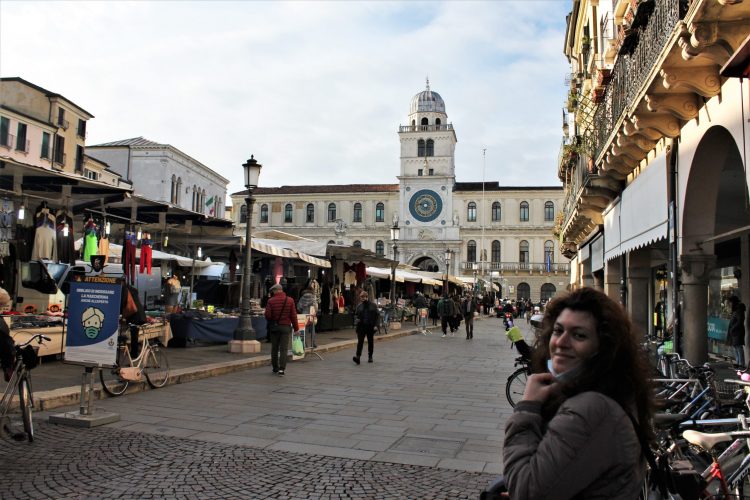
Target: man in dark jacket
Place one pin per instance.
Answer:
(420, 305)
(736, 331)
(365, 321)
(281, 316)
(468, 306)
(446, 310)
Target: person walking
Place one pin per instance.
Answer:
(365, 321)
(420, 305)
(585, 417)
(445, 310)
(736, 331)
(468, 306)
(434, 310)
(457, 316)
(281, 317)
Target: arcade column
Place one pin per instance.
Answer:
(695, 272)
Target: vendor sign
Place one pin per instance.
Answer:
(93, 315)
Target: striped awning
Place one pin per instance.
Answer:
(279, 249)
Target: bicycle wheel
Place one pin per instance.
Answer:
(515, 385)
(110, 378)
(156, 367)
(24, 399)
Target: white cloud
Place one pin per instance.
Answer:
(316, 90)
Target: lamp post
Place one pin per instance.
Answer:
(244, 331)
(448, 254)
(394, 238)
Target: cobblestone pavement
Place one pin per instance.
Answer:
(66, 462)
(425, 420)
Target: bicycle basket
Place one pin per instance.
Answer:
(30, 356)
(668, 346)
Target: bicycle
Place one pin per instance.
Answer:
(151, 361)
(26, 360)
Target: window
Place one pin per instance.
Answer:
(264, 213)
(44, 153)
(81, 128)
(79, 159)
(21, 138)
(496, 251)
(420, 147)
(471, 214)
(243, 213)
(437, 122)
(430, 150)
(310, 213)
(288, 212)
(431, 171)
(424, 123)
(60, 149)
(523, 254)
(357, 244)
(4, 131)
(357, 217)
(61, 118)
(90, 174)
(379, 247)
(419, 172)
(524, 291)
(549, 211)
(496, 213)
(524, 211)
(380, 212)
(193, 200)
(549, 255)
(331, 212)
(471, 251)
(173, 190)
(331, 242)
(179, 190)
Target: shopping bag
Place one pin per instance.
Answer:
(298, 348)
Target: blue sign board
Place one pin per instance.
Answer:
(717, 328)
(93, 320)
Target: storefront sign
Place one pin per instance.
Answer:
(93, 315)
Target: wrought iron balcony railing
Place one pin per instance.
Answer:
(630, 72)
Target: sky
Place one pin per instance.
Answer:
(315, 90)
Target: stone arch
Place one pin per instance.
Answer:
(428, 263)
(523, 291)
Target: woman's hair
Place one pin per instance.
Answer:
(619, 369)
(4, 297)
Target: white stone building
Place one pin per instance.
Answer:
(503, 233)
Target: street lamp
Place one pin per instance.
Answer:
(448, 254)
(394, 238)
(244, 331)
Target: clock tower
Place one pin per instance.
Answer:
(428, 221)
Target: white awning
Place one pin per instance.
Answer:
(379, 272)
(643, 212)
(287, 249)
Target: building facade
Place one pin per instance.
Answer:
(496, 233)
(654, 161)
(183, 181)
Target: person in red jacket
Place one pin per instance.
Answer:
(281, 317)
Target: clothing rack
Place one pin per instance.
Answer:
(111, 216)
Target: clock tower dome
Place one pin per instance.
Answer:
(427, 177)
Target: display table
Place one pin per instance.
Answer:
(211, 329)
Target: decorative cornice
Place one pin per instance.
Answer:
(682, 106)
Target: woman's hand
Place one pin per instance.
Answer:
(540, 386)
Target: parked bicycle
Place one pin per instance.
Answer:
(151, 363)
(20, 381)
(516, 383)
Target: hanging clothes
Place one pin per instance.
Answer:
(90, 240)
(104, 247)
(145, 253)
(360, 268)
(66, 251)
(278, 270)
(45, 236)
(128, 256)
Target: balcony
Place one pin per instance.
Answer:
(63, 124)
(7, 140)
(59, 160)
(23, 145)
(510, 268)
(425, 128)
(657, 84)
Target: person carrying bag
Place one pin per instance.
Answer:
(281, 318)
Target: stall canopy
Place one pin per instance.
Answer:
(291, 249)
(116, 250)
(402, 275)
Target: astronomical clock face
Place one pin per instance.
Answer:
(425, 205)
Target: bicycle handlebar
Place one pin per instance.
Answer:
(38, 337)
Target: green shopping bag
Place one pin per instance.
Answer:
(298, 348)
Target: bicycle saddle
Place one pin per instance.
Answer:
(708, 441)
